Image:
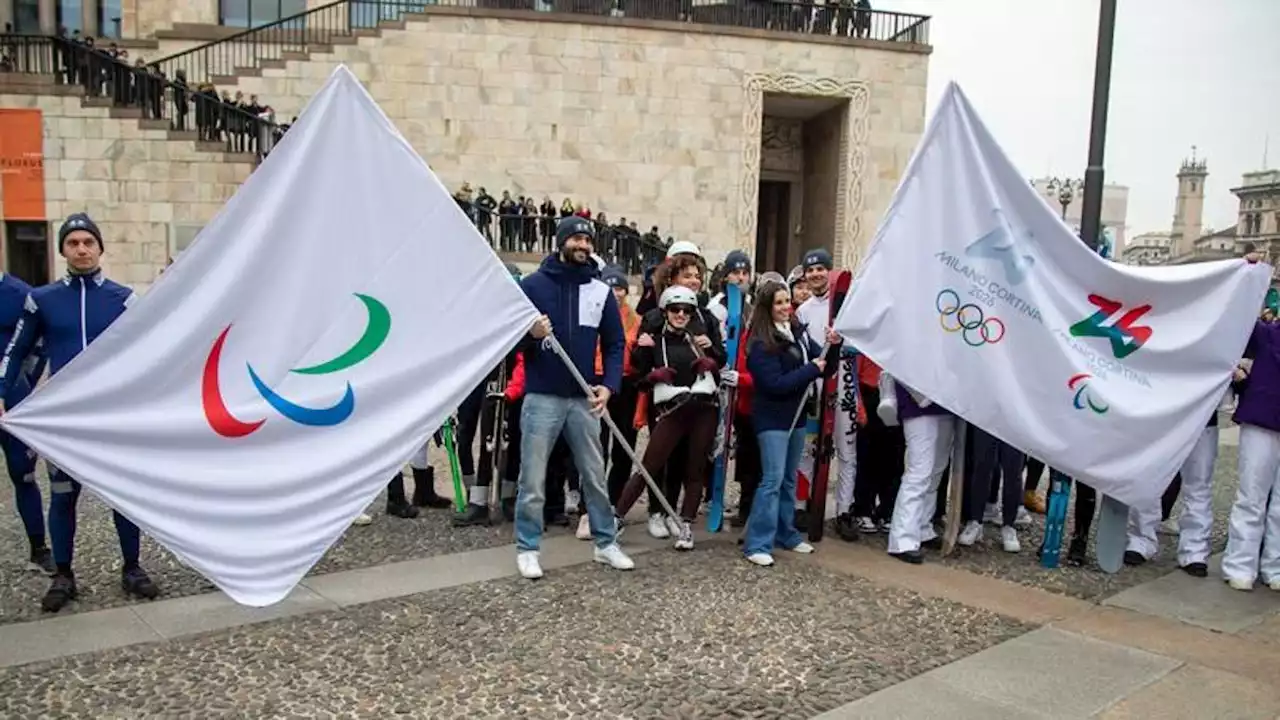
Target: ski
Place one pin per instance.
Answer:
(1112, 537)
(825, 448)
(955, 488)
(451, 447)
(1055, 519)
(493, 441)
(719, 473)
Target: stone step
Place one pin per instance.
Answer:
(154, 124)
(248, 71)
(240, 157)
(95, 102)
(295, 56)
(189, 135)
(126, 113)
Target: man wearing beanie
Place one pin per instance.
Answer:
(67, 315)
(582, 312)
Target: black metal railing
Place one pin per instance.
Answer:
(534, 232)
(144, 88)
(320, 27)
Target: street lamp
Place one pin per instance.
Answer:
(1066, 190)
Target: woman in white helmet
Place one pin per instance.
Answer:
(682, 384)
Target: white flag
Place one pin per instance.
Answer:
(977, 296)
(322, 326)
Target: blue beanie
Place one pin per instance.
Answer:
(818, 257)
(615, 278)
(736, 260)
(79, 221)
(573, 225)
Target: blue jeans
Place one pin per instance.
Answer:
(773, 512)
(542, 419)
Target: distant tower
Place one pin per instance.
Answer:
(1188, 214)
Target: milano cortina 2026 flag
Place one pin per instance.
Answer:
(976, 295)
(321, 327)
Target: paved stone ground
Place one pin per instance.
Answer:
(97, 559)
(687, 635)
(1088, 583)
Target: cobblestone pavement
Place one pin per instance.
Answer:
(695, 635)
(1089, 582)
(97, 558)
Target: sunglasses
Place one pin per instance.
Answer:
(680, 310)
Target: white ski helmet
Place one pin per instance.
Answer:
(677, 295)
(683, 247)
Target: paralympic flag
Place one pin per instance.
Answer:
(977, 296)
(315, 335)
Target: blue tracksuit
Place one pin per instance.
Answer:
(67, 315)
(19, 459)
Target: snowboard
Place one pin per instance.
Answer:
(1055, 519)
(1112, 537)
(493, 440)
(955, 488)
(720, 471)
(449, 435)
(825, 448)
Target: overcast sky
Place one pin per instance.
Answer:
(1185, 72)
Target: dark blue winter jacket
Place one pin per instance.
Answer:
(780, 379)
(583, 312)
(67, 315)
(13, 296)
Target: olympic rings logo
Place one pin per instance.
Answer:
(953, 318)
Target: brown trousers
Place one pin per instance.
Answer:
(696, 420)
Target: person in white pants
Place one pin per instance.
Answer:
(930, 430)
(1197, 511)
(1253, 539)
(814, 315)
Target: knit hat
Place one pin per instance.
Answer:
(79, 221)
(574, 225)
(736, 260)
(615, 278)
(818, 257)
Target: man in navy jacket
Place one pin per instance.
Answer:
(583, 314)
(67, 315)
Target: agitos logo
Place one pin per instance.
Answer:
(1126, 338)
(1079, 383)
(227, 425)
(967, 319)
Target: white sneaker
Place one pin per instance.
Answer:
(1274, 584)
(761, 559)
(572, 499)
(613, 556)
(527, 562)
(1009, 537)
(970, 534)
(1168, 527)
(584, 528)
(658, 527)
(866, 525)
(803, 548)
(991, 514)
(684, 541)
(1023, 518)
(673, 526)
(362, 519)
(1243, 585)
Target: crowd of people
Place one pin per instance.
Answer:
(661, 364)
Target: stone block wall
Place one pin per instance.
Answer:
(135, 183)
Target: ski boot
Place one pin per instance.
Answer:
(397, 505)
(135, 581)
(424, 490)
(41, 560)
(1133, 558)
(62, 591)
(1077, 552)
(846, 528)
(473, 516)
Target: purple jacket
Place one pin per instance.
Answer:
(1260, 400)
(908, 407)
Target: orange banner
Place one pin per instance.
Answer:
(22, 164)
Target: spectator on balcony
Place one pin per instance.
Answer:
(529, 223)
(464, 199)
(548, 212)
(566, 208)
(207, 112)
(582, 211)
(604, 238)
(652, 237)
(862, 19)
(509, 221)
(180, 93)
(485, 205)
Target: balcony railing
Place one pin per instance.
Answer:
(176, 104)
(319, 28)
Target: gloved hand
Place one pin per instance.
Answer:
(729, 378)
(704, 365)
(661, 375)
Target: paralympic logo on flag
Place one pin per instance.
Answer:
(219, 417)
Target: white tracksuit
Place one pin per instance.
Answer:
(1197, 507)
(815, 315)
(929, 439)
(1253, 540)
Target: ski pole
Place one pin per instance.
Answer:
(554, 345)
(451, 448)
(807, 389)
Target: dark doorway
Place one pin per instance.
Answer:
(27, 251)
(773, 223)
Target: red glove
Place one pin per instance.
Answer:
(705, 364)
(661, 375)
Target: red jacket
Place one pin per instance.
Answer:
(746, 386)
(515, 383)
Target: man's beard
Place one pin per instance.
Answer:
(570, 256)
